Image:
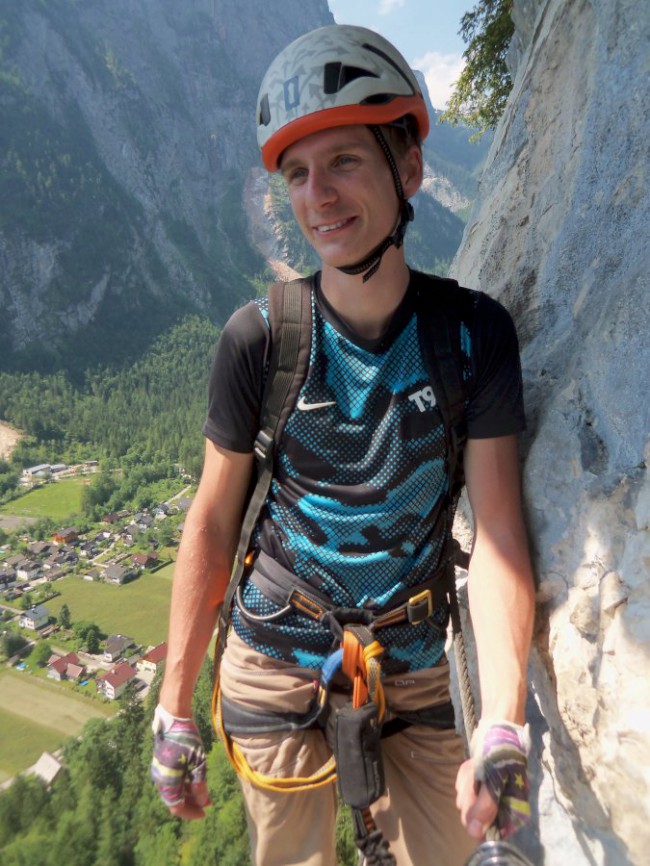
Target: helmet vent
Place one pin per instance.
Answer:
(377, 99)
(337, 75)
(265, 112)
(264, 117)
(388, 59)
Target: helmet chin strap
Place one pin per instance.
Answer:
(370, 265)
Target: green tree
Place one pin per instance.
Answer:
(20, 805)
(93, 637)
(346, 850)
(11, 643)
(41, 654)
(202, 704)
(221, 837)
(88, 634)
(109, 832)
(482, 89)
(64, 616)
(159, 848)
(8, 479)
(165, 532)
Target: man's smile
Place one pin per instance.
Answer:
(333, 226)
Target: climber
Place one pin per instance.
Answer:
(336, 628)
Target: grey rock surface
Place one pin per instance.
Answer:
(560, 235)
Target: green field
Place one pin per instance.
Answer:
(61, 714)
(59, 500)
(139, 609)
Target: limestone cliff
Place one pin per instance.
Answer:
(126, 131)
(560, 235)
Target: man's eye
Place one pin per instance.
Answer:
(295, 175)
(346, 161)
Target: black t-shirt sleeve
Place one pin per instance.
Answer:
(496, 405)
(236, 381)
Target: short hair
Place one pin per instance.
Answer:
(401, 135)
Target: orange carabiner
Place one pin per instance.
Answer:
(354, 667)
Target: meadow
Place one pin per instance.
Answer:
(139, 609)
(60, 500)
(62, 714)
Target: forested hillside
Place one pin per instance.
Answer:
(151, 410)
(103, 810)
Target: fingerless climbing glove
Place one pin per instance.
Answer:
(178, 756)
(500, 754)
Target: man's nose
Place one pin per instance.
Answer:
(321, 189)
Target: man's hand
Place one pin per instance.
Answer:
(178, 766)
(492, 787)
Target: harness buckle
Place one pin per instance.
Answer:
(419, 607)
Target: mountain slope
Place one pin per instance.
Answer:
(128, 141)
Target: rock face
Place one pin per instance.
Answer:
(126, 132)
(560, 235)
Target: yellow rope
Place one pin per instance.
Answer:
(325, 775)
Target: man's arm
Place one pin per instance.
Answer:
(501, 599)
(200, 579)
(202, 571)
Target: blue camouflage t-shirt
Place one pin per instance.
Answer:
(357, 504)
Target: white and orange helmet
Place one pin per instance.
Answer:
(338, 75)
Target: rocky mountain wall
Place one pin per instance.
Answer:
(127, 150)
(126, 131)
(560, 235)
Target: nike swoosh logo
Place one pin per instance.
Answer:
(307, 407)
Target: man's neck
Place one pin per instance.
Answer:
(367, 308)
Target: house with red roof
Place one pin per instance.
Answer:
(144, 560)
(113, 683)
(153, 658)
(67, 667)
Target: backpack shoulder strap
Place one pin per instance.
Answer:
(290, 345)
(442, 307)
(290, 326)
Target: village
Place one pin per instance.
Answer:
(56, 650)
(28, 580)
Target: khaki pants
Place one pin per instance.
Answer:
(417, 814)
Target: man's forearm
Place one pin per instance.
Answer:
(501, 595)
(200, 578)
(202, 571)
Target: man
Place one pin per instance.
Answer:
(358, 509)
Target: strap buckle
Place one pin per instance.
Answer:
(419, 607)
(263, 445)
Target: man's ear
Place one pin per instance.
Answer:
(411, 171)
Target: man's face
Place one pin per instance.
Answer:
(342, 192)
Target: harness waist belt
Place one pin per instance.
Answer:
(283, 588)
(238, 719)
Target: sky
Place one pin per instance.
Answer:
(425, 31)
